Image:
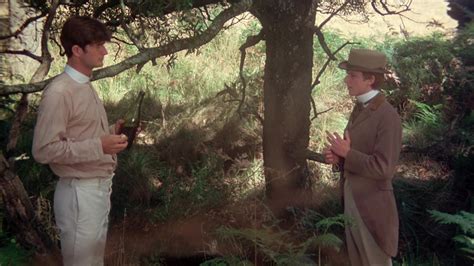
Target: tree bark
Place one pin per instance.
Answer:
(20, 212)
(287, 26)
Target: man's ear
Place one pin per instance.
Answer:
(371, 80)
(77, 50)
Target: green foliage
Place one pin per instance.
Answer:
(270, 242)
(426, 126)
(285, 247)
(227, 261)
(11, 253)
(465, 221)
(134, 181)
(420, 62)
(420, 235)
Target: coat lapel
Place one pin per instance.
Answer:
(357, 118)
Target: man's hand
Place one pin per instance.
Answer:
(118, 126)
(339, 145)
(330, 157)
(113, 144)
(139, 129)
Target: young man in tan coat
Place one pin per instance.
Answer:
(367, 155)
(73, 136)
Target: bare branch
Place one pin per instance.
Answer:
(39, 74)
(208, 16)
(22, 52)
(315, 156)
(130, 34)
(323, 43)
(23, 26)
(173, 6)
(321, 71)
(320, 113)
(175, 46)
(251, 41)
(333, 14)
(149, 53)
(121, 40)
(386, 9)
(109, 4)
(313, 104)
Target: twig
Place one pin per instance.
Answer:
(323, 43)
(333, 14)
(23, 52)
(320, 113)
(315, 156)
(23, 26)
(321, 71)
(251, 41)
(386, 10)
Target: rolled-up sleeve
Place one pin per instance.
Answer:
(50, 141)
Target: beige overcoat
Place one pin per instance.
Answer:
(376, 135)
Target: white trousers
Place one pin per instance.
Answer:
(361, 246)
(81, 208)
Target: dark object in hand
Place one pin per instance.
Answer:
(132, 121)
(130, 132)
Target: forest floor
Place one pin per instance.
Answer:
(192, 240)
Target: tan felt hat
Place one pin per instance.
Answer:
(365, 60)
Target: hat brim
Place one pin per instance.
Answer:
(346, 66)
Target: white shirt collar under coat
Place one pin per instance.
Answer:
(76, 75)
(364, 98)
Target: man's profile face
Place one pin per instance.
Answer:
(92, 55)
(357, 84)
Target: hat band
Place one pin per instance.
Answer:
(349, 66)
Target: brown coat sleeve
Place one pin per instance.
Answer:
(381, 163)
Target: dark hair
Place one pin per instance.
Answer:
(81, 31)
(379, 78)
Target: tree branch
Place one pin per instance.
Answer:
(321, 71)
(251, 41)
(333, 14)
(39, 74)
(386, 9)
(22, 52)
(168, 7)
(175, 46)
(316, 114)
(23, 26)
(323, 43)
(109, 4)
(315, 156)
(148, 53)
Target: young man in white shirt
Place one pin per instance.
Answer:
(73, 136)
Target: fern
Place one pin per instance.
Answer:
(276, 245)
(328, 240)
(427, 114)
(329, 222)
(465, 221)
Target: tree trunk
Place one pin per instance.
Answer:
(287, 26)
(20, 212)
